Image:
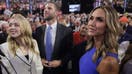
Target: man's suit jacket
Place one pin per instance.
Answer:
(19, 64)
(62, 45)
(127, 68)
(77, 52)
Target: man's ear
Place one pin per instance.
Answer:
(58, 13)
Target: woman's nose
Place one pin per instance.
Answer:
(92, 22)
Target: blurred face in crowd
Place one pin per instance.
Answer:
(96, 24)
(5, 27)
(83, 30)
(14, 29)
(50, 11)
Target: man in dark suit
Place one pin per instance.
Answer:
(61, 41)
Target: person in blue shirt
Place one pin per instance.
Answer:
(101, 50)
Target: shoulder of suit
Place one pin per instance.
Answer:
(129, 62)
(61, 25)
(4, 45)
(64, 27)
(40, 27)
(34, 41)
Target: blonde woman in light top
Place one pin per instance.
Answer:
(21, 50)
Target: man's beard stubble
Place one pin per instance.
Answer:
(48, 18)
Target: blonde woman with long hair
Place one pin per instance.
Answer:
(21, 50)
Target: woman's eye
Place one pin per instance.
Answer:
(99, 19)
(13, 24)
(16, 25)
(91, 18)
(10, 24)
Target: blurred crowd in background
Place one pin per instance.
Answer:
(76, 21)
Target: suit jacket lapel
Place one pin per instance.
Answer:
(43, 40)
(31, 55)
(43, 35)
(20, 55)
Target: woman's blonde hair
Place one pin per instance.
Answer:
(26, 34)
(112, 32)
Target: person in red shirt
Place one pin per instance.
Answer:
(80, 35)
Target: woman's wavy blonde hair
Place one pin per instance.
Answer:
(26, 34)
(111, 34)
